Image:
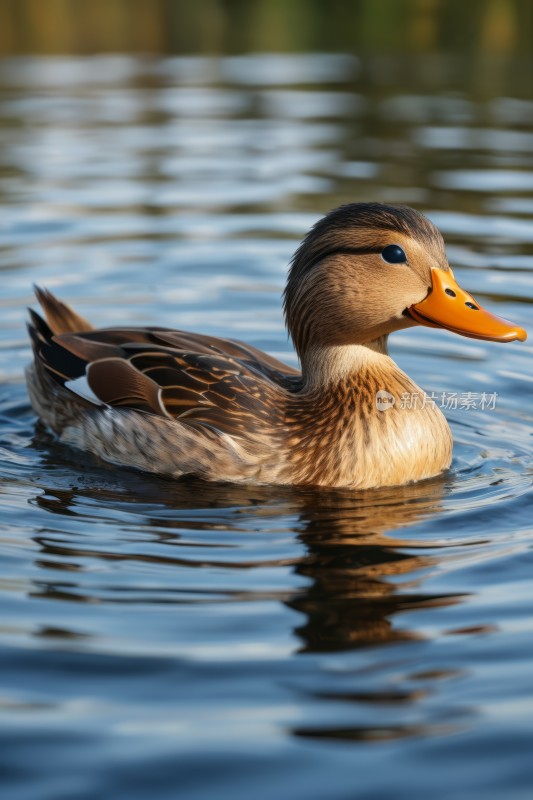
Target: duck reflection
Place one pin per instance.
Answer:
(359, 572)
(361, 576)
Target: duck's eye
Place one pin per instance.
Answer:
(393, 254)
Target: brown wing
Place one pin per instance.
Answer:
(204, 380)
(164, 339)
(61, 319)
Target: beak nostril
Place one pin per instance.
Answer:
(450, 292)
(472, 306)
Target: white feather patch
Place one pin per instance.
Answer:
(80, 386)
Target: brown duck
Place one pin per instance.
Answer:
(178, 403)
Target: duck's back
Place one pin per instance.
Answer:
(155, 398)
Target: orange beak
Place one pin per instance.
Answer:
(449, 306)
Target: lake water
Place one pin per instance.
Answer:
(182, 640)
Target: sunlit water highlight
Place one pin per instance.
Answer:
(168, 639)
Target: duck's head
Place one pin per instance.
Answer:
(368, 269)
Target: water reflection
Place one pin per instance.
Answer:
(359, 573)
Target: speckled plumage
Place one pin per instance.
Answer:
(177, 403)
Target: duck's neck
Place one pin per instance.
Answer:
(324, 367)
(362, 428)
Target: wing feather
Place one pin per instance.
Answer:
(219, 384)
(117, 383)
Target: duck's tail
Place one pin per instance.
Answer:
(61, 321)
(60, 317)
(47, 373)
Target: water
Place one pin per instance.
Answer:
(169, 640)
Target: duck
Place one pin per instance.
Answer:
(178, 404)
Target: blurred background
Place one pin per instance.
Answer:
(160, 161)
(494, 29)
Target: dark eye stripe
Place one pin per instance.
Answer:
(343, 251)
(393, 254)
